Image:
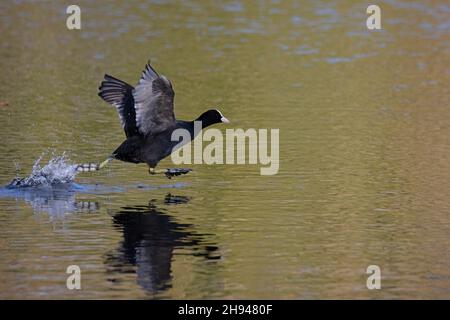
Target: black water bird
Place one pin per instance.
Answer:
(147, 116)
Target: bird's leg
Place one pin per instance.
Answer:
(104, 163)
(152, 171)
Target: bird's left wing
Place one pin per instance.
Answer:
(120, 95)
(153, 102)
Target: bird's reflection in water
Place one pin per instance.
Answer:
(150, 237)
(56, 201)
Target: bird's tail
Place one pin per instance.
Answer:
(90, 167)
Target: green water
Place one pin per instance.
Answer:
(364, 151)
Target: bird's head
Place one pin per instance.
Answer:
(211, 117)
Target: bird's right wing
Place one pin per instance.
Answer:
(153, 102)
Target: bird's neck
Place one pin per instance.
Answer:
(205, 122)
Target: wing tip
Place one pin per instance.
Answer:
(149, 73)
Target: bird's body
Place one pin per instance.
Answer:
(149, 149)
(147, 116)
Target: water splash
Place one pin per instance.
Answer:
(51, 188)
(57, 171)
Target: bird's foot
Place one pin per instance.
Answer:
(169, 173)
(176, 172)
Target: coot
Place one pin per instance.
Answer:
(147, 117)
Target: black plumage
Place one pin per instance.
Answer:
(147, 116)
(120, 95)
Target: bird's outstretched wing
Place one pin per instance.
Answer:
(153, 102)
(120, 95)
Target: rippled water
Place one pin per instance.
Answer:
(364, 151)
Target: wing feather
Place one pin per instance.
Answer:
(120, 95)
(153, 102)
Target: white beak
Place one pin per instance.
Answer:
(224, 120)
